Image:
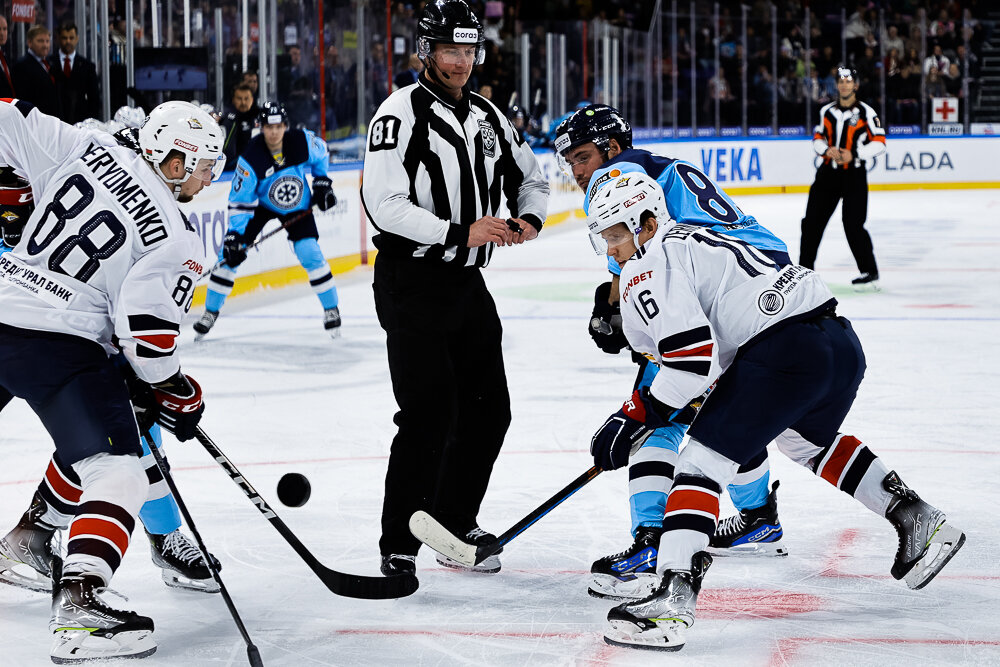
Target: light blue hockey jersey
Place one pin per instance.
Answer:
(692, 199)
(259, 181)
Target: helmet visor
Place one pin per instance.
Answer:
(208, 170)
(611, 237)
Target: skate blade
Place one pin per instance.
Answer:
(941, 548)
(334, 333)
(175, 580)
(72, 646)
(608, 587)
(766, 549)
(867, 288)
(199, 336)
(489, 566)
(36, 583)
(667, 637)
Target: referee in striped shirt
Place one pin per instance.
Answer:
(441, 164)
(848, 135)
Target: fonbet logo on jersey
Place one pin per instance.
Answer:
(286, 192)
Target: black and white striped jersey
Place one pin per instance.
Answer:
(856, 128)
(434, 166)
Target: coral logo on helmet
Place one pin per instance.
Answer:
(194, 124)
(185, 145)
(562, 142)
(465, 36)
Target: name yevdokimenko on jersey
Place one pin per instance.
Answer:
(106, 253)
(434, 166)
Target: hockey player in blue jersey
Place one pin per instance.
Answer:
(270, 182)
(178, 557)
(594, 145)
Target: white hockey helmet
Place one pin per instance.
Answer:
(625, 198)
(182, 126)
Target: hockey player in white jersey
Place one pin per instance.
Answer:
(25, 551)
(713, 309)
(107, 263)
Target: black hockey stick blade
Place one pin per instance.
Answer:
(429, 530)
(339, 583)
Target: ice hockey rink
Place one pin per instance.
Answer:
(281, 397)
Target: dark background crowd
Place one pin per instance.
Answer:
(767, 63)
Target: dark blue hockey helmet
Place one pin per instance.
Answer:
(272, 113)
(598, 123)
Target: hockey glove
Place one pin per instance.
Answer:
(323, 196)
(179, 405)
(606, 322)
(625, 431)
(234, 250)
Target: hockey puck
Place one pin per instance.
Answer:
(294, 489)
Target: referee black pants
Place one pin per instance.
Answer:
(443, 338)
(831, 186)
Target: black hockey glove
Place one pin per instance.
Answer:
(323, 196)
(626, 430)
(234, 250)
(606, 322)
(176, 403)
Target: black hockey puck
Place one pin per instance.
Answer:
(294, 489)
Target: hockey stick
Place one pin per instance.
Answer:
(339, 583)
(253, 655)
(429, 530)
(285, 225)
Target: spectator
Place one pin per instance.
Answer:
(409, 76)
(76, 78)
(238, 123)
(935, 84)
(953, 81)
(250, 78)
(936, 60)
(33, 79)
(943, 30)
(290, 73)
(892, 40)
(486, 90)
(6, 78)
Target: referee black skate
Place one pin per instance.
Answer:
(442, 164)
(849, 134)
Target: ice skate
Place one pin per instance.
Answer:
(396, 564)
(866, 282)
(631, 574)
(87, 629)
(182, 563)
(926, 542)
(205, 324)
(755, 532)
(331, 321)
(660, 621)
(479, 537)
(26, 551)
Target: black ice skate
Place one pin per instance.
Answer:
(631, 574)
(866, 282)
(660, 620)
(26, 551)
(331, 321)
(87, 629)
(396, 564)
(926, 542)
(182, 563)
(755, 532)
(205, 324)
(490, 564)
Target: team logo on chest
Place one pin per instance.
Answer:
(286, 192)
(489, 136)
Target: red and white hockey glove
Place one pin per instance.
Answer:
(179, 405)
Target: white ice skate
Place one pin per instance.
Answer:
(331, 321)
(86, 629)
(661, 620)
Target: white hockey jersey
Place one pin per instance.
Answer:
(692, 297)
(106, 251)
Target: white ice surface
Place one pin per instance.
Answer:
(282, 397)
